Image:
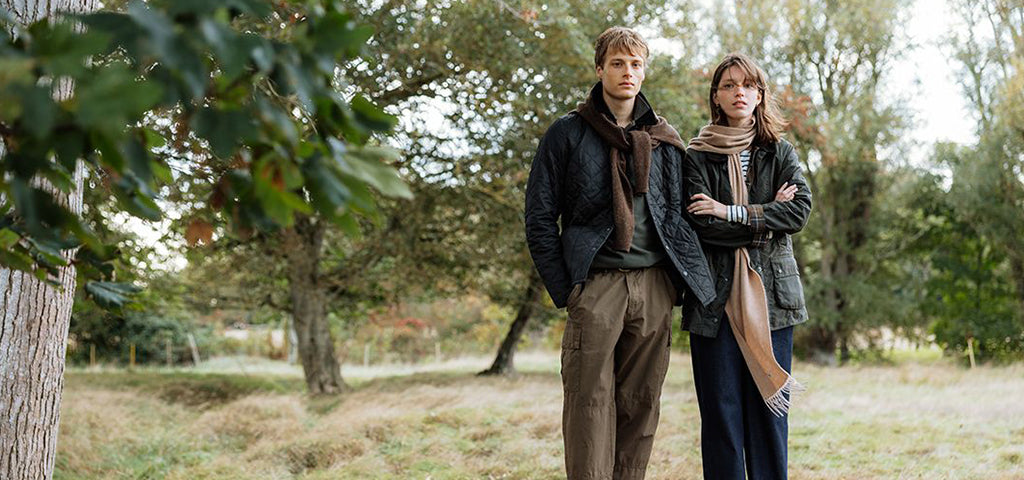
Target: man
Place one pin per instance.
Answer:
(610, 174)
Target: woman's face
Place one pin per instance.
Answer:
(737, 96)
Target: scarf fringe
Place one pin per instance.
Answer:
(780, 402)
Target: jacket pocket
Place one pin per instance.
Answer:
(574, 295)
(789, 292)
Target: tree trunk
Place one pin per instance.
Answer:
(1017, 269)
(35, 316)
(303, 244)
(504, 363)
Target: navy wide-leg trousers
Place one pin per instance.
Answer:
(738, 432)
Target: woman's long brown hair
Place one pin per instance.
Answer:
(767, 120)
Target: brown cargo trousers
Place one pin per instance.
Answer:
(615, 354)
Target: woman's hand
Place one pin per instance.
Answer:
(705, 205)
(786, 193)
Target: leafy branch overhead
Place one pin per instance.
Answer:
(269, 112)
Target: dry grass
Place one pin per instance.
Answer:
(909, 421)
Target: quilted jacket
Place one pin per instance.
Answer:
(569, 212)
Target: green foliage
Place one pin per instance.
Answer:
(268, 110)
(988, 183)
(112, 335)
(970, 293)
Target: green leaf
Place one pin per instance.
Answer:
(153, 138)
(111, 294)
(276, 119)
(329, 194)
(158, 28)
(371, 117)
(366, 164)
(232, 50)
(335, 34)
(224, 129)
(137, 204)
(348, 224)
(70, 148)
(48, 252)
(13, 72)
(8, 238)
(161, 172)
(96, 108)
(40, 111)
(64, 52)
(137, 158)
(16, 260)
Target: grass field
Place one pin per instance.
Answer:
(236, 419)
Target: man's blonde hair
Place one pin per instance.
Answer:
(619, 38)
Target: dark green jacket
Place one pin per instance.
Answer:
(767, 237)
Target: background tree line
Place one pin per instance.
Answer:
(916, 250)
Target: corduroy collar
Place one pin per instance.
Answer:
(643, 114)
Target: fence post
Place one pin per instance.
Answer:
(131, 356)
(970, 350)
(167, 349)
(366, 354)
(437, 352)
(195, 350)
(92, 355)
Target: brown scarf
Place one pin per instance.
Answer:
(747, 306)
(639, 142)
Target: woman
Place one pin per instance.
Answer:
(748, 195)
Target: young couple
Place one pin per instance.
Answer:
(624, 220)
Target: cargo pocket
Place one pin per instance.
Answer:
(571, 356)
(789, 292)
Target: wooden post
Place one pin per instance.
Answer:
(970, 350)
(131, 356)
(437, 352)
(92, 355)
(287, 339)
(194, 348)
(167, 350)
(366, 354)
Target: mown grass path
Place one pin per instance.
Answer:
(910, 421)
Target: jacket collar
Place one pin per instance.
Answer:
(643, 114)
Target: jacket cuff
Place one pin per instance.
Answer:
(755, 216)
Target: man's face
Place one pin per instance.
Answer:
(621, 75)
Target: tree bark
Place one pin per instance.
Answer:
(304, 245)
(36, 317)
(504, 362)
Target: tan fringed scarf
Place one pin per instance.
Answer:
(747, 306)
(639, 143)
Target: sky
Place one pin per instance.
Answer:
(927, 78)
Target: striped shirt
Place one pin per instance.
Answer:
(738, 213)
